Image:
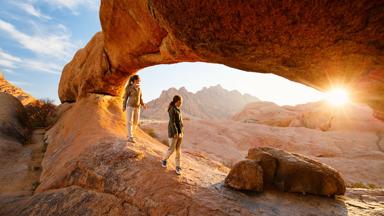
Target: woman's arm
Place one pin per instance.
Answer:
(178, 122)
(141, 101)
(172, 121)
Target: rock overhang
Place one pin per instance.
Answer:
(317, 43)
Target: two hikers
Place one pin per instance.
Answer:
(132, 102)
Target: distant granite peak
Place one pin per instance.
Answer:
(212, 102)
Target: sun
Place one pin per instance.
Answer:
(337, 96)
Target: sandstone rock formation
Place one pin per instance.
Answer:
(318, 44)
(292, 173)
(96, 157)
(214, 102)
(13, 118)
(316, 115)
(246, 175)
(84, 71)
(266, 113)
(19, 160)
(296, 173)
(267, 162)
(17, 92)
(88, 161)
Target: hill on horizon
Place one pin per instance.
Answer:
(213, 102)
(19, 93)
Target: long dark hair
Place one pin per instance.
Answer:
(175, 99)
(132, 79)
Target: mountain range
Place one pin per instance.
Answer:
(213, 102)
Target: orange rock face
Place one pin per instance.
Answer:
(319, 43)
(246, 175)
(14, 123)
(89, 72)
(20, 94)
(288, 172)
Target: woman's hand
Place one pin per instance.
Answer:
(180, 135)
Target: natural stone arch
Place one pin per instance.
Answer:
(314, 42)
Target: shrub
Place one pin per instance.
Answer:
(151, 132)
(39, 111)
(358, 185)
(165, 142)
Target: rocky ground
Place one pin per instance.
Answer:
(20, 169)
(229, 141)
(90, 169)
(350, 143)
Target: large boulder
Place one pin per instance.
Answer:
(246, 175)
(288, 172)
(13, 119)
(296, 173)
(266, 161)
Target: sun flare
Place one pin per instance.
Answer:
(337, 96)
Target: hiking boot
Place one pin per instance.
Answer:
(164, 163)
(132, 140)
(178, 170)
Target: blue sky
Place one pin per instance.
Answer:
(38, 37)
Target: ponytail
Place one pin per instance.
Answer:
(175, 99)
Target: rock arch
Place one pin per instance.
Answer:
(314, 42)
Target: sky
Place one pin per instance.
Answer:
(38, 37)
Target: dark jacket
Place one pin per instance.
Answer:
(175, 124)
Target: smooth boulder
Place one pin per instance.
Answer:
(246, 175)
(13, 119)
(286, 171)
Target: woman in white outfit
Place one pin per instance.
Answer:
(132, 103)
